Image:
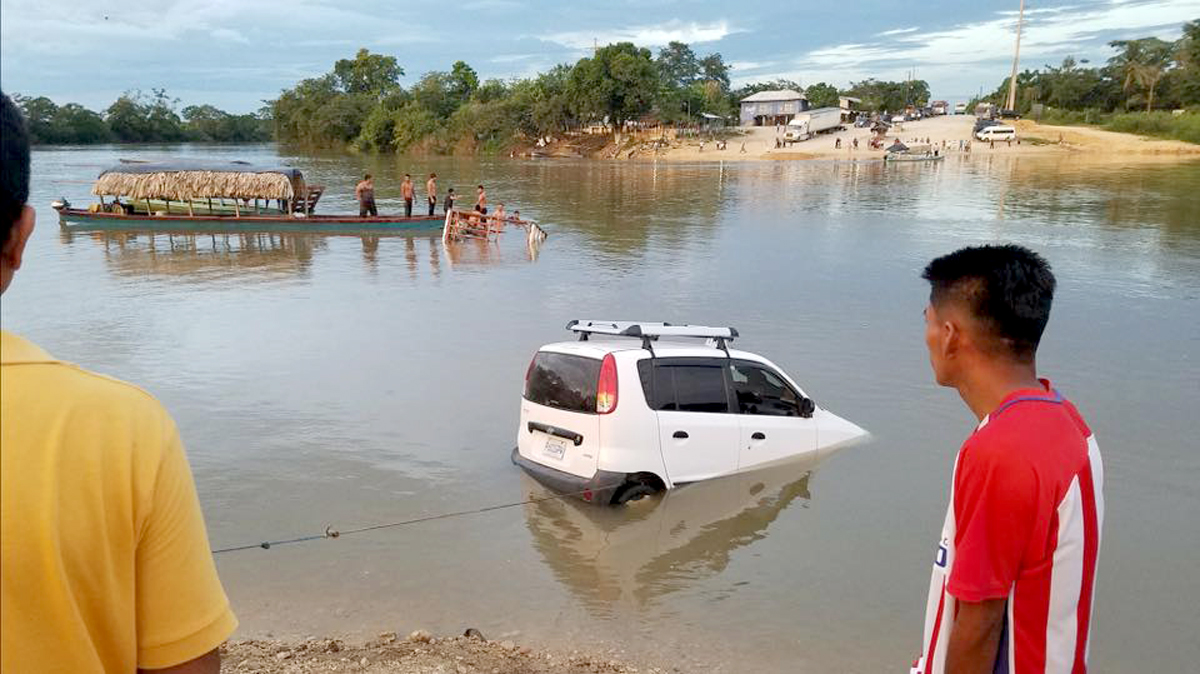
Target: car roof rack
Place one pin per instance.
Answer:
(650, 332)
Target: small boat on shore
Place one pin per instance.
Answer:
(191, 196)
(899, 152)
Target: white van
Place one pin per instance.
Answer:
(621, 413)
(996, 132)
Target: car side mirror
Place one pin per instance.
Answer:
(807, 407)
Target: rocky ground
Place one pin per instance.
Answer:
(420, 652)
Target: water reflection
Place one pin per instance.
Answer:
(174, 254)
(662, 544)
(263, 254)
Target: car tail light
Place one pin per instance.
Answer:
(529, 370)
(606, 386)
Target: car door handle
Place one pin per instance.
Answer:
(682, 435)
(758, 436)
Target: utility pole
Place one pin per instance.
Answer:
(1012, 81)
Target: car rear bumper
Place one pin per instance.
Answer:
(598, 488)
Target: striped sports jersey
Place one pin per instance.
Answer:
(1026, 509)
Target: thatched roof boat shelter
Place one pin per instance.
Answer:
(183, 180)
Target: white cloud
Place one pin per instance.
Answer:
(230, 35)
(493, 5)
(645, 36)
(897, 31)
(981, 51)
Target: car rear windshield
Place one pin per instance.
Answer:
(563, 381)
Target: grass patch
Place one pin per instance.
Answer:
(1185, 127)
(1159, 124)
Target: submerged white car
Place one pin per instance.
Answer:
(622, 413)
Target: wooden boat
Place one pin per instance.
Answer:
(899, 152)
(191, 196)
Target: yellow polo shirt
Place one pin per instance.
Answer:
(104, 561)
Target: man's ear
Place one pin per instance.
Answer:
(951, 338)
(14, 248)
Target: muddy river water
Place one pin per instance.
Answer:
(350, 381)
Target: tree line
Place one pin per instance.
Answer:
(361, 104)
(137, 118)
(1146, 74)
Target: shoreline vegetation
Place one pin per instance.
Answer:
(1149, 87)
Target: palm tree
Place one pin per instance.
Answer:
(1142, 62)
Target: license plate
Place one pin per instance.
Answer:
(555, 448)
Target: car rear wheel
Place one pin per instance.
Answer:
(632, 491)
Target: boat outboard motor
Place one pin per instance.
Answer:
(60, 204)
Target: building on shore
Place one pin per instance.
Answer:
(850, 106)
(769, 108)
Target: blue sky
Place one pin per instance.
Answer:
(235, 53)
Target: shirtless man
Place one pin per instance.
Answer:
(499, 215)
(449, 202)
(431, 190)
(365, 193)
(481, 200)
(407, 191)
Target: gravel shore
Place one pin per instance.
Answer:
(420, 652)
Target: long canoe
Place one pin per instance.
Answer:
(79, 220)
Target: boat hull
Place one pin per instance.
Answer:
(83, 221)
(908, 158)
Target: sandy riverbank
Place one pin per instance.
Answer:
(418, 653)
(758, 143)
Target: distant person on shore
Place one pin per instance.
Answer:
(407, 191)
(1014, 566)
(837, 144)
(365, 193)
(855, 143)
(431, 191)
(448, 204)
(481, 200)
(104, 561)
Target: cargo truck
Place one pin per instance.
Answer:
(811, 122)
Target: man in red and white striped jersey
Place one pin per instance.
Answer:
(1015, 568)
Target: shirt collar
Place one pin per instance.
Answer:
(1045, 393)
(15, 350)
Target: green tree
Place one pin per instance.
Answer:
(128, 118)
(714, 69)
(677, 64)
(367, 73)
(39, 117)
(821, 95)
(619, 83)
(463, 81)
(491, 90)
(1140, 64)
(205, 122)
(75, 124)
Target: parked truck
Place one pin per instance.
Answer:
(807, 124)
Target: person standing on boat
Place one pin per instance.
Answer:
(407, 191)
(104, 560)
(481, 200)
(1014, 568)
(448, 204)
(431, 190)
(365, 193)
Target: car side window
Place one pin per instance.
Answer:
(761, 391)
(685, 387)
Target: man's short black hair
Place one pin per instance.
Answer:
(1009, 289)
(14, 166)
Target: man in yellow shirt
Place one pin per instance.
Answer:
(104, 560)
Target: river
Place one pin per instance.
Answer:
(350, 381)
